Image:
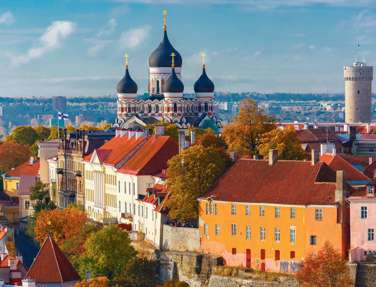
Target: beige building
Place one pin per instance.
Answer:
(358, 91)
(46, 150)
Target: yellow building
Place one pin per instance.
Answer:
(271, 215)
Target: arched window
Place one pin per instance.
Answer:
(206, 107)
(149, 108)
(188, 108)
(175, 107)
(199, 108)
(158, 87)
(129, 108)
(157, 108)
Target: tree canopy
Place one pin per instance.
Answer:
(12, 154)
(25, 135)
(94, 282)
(326, 268)
(107, 253)
(208, 138)
(43, 133)
(244, 132)
(41, 196)
(190, 175)
(285, 141)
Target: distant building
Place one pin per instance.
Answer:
(358, 91)
(46, 150)
(59, 103)
(269, 215)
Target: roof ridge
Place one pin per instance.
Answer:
(32, 264)
(351, 166)
(57, 263)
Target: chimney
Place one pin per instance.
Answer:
(31, 160)
(314, 157)
(370, 160)
(159, 130)
(181, 139)
(340, 187)
(273, 156)
(193, 137)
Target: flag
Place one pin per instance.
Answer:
(62, 116)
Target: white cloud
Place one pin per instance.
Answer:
(365, 20)
(50, 40)
(7, 18)
(101, 41)
(134, 37)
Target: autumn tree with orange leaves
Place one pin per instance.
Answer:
(69, 228)
(95, 282)
(326, 268)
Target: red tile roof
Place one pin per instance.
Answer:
(25, 169)
(370, 170)
(337, 162)
(50, 266)
(140, 156)
(285, 182)
(317, 135)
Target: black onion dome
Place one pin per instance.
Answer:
(204, 84)
(127, 85)
(161, 57)
(173, 84)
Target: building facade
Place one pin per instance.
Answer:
(358, 91)
(270, 216)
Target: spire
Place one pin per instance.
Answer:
(126, 61)
(173, 60)
(165, 13)
(203, 56)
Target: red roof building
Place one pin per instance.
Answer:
(51, 267)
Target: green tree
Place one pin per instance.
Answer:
(41, 197)
(25, 135)
(244, 132)
(107, 253)
(285, 141)
(190, 175)
(140, 272)
(13, 154)
(42, 132)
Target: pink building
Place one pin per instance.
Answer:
(362, 224)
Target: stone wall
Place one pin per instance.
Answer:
(222, 281)
(180, 238)
(366, 275)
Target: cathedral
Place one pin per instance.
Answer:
(165, 101)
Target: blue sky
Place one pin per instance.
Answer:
(75, 47)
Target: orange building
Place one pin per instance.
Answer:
(269, 215)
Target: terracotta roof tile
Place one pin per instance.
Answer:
(50, 266)
(285, 182)
(337, 162)
(24, 169)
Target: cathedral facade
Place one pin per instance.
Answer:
(166, 102)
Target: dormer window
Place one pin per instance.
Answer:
(370, 190)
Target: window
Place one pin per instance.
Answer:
(277, 234)
(146, 212)
(248, 232)
(119, 186)
(125, 187)
(292, 254)
(134, 209)
(125, 207)
(292, 234)
(262, 254)
(233, 229)
(277, 255)
(233, 209)
(262, 211)
(233, 251)
(27, 204)
(215, 209)
(363, 212)
(134, 188)
(206, 229)
(262, 233)
(129, 188)
(119, 206)
(371, 234)
(207, 208)
(138, 210)
(217, 229)
(247, 210)
(292, 212)
(277, 212)
(318, 214)
(17, 185)
(313, 240)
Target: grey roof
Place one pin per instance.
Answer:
(161, 57)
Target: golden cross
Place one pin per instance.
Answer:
(165, 20)
(126, 60)
(173, 59)
(203, 56)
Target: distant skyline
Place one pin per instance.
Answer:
(75, 47)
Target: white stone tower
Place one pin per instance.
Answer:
(358, 91)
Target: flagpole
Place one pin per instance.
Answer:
(58, 126)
